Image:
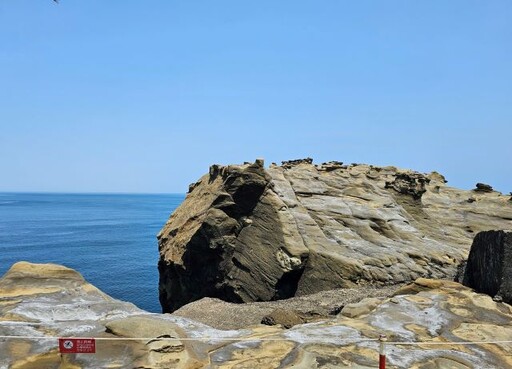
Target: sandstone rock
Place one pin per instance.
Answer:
(489, 266)
(332, 165)
(410, 184)
(246, 233)
(63, 304)
(40, 300)
(362, 307)
(284, 317)
(142, 326)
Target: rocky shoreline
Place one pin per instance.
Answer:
(39, 303)
(325, 258)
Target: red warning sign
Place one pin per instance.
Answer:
(77, 345)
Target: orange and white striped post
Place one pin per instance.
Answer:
(382, 351)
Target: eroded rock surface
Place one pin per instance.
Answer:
(246, 233)
(41, 302)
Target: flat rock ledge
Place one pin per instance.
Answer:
(45, 301)
(247, 233)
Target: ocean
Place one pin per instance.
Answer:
(109, 238)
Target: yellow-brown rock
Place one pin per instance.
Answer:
(443, 325)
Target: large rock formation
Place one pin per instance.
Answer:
(434, 324)
(489, 266)
(246, 233)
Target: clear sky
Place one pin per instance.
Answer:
(142, 96)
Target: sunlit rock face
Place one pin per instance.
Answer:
(48, 301)
(250, 233)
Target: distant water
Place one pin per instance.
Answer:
(109, 239)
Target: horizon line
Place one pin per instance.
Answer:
(90, 193)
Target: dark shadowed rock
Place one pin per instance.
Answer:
(292, 163)
(489, 266)
(482, 187)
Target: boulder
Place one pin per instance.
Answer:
(249, 233)
(489, 265)
(284, 317)
(360, 308)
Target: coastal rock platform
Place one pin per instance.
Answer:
(429, 324)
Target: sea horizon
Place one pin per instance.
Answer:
(109, 238)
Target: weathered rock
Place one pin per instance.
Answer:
(489, 266)
(284, 317)
(360, 308)
(41, 300)
(292, 163)
(332, 165)
(412, 184)
(55, 301)
(246, 233)
(482, 187)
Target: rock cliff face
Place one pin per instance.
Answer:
(39, 303)
(246, 233)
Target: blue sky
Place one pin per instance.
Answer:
(142, 96)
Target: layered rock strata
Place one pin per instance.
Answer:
(247, 233)
(434, 324)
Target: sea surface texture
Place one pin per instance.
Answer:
(109, 238)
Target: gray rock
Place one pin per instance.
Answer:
(489, 266)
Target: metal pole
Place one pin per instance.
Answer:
(382, 351)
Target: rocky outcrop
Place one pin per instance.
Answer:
(249, 233)
(41, 302)
(489, 266)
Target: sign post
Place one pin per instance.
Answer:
(382, 351)
(77, 345)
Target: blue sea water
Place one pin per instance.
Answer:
(109, 238)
